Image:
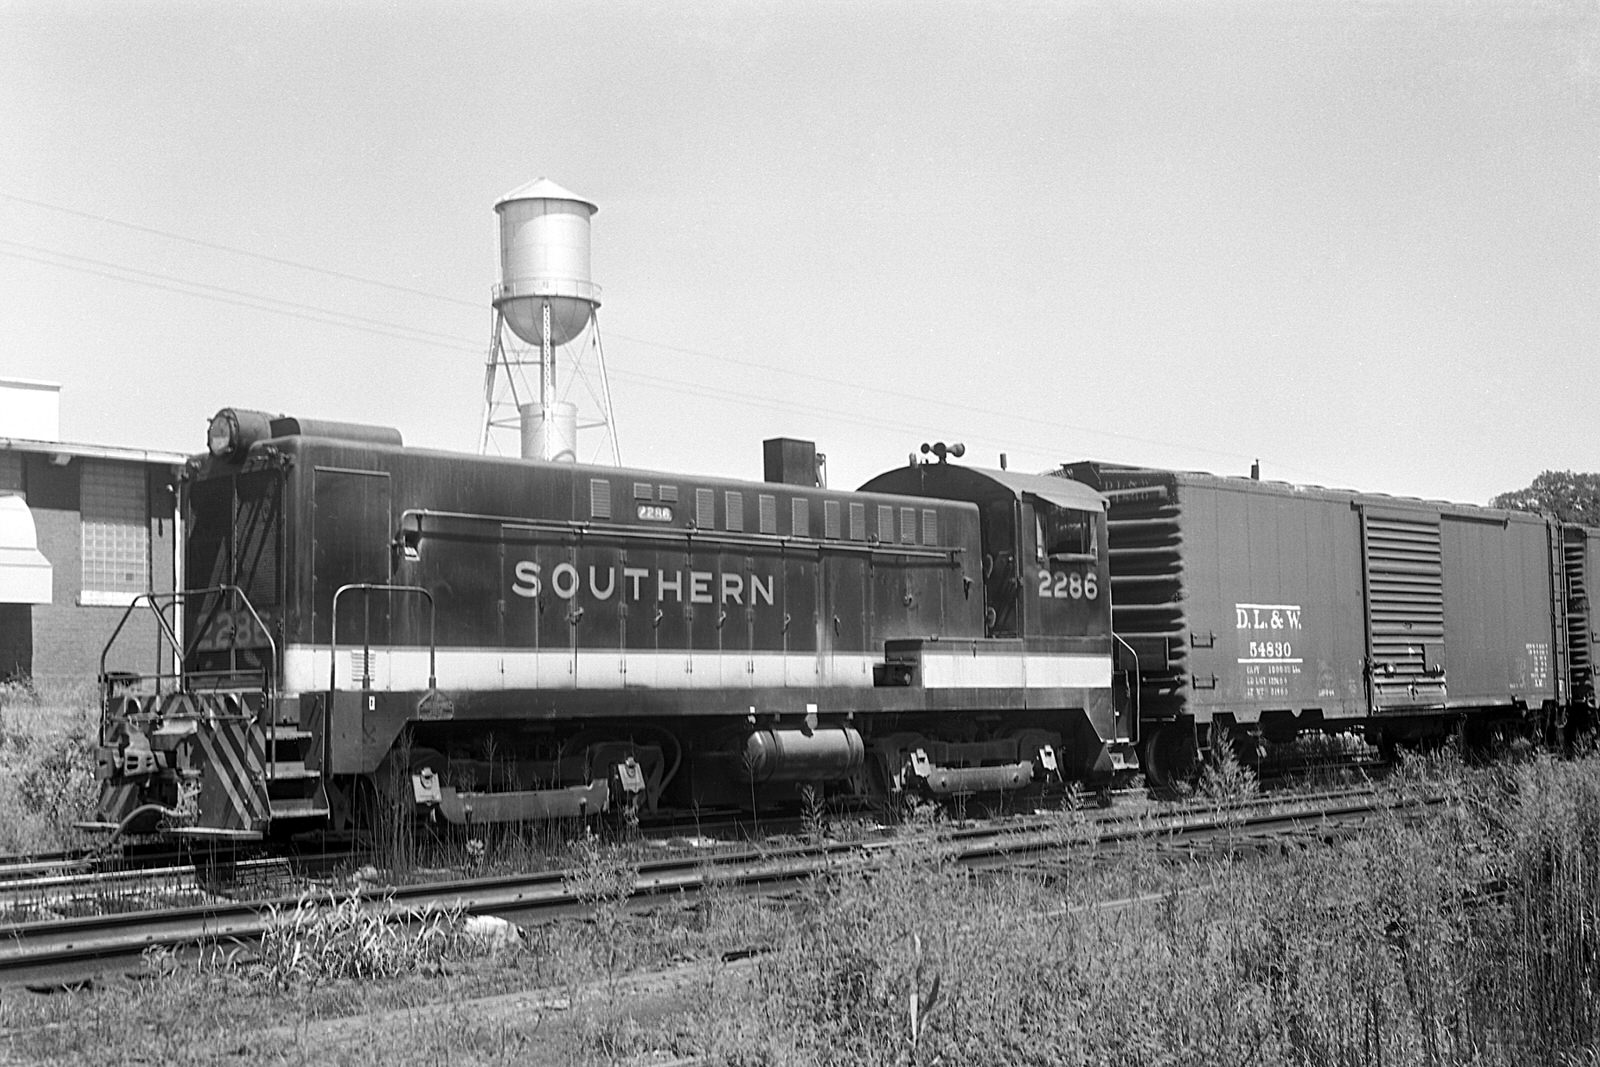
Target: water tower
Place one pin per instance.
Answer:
(546, 303)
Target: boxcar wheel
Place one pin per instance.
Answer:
(1171, 758)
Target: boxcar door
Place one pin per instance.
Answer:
(1404, 577)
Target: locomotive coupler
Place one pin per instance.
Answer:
(138, 759)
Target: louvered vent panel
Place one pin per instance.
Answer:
(1145, 547)
(885, 522)
(667, 494)
(930, 526)
(705, 509)
(733, 505)
(767, 506)
(858, 522)
(642, 491)
(830, 519)
(1405, 606)
(599, 498)
(908, 525)
(800, 517)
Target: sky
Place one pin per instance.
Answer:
(1358, 241)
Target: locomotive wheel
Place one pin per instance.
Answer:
(1171, 759)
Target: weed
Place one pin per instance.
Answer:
(321, 940)
(47, 767)
(1225, 781)
(813, 814)
(601, 877)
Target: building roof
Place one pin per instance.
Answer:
(64, 448)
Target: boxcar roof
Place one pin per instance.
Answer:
(1106, 475)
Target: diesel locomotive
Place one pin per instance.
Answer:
(485, 640)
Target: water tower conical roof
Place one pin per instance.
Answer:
(545, 189)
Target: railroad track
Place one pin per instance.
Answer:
(76, 880)
(74, 950)
(26, 866)
(87, 880)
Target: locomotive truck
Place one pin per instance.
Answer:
(483, 640)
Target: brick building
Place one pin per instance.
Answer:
(84, 529)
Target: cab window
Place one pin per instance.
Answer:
(1064, 533)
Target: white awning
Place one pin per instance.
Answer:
(1062, 492)
(24, 572)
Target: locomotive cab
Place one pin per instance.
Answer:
(1046, 653)
(1044, 561)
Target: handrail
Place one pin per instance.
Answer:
(665, 533)
(178, 597)
(366, 635)
(1133, 689)
(150, 600)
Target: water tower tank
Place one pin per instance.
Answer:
(544, 256)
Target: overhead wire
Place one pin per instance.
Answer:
(329, 316)
(218, 247)
(233, 297)
(654, 381)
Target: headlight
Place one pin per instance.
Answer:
(222, 437)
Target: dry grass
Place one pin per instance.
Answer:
(1467, 938)
(1471, 936)
(47, 773)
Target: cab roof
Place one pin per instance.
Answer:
(982, 483)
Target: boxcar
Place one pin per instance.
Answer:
(1259, 609)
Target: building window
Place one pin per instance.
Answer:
(116, 532)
